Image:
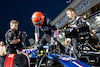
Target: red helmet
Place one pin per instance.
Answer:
(37, 18)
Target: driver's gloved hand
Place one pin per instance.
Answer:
(41, 51)
(37, 43)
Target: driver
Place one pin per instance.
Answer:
(44, 24)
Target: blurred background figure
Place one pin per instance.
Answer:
(94, 39)
(2, 49)
(96, 25)
(2, 53)
(98, 32)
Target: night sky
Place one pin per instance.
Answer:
(21, 10)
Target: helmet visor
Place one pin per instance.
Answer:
(38, 23)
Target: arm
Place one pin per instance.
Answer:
(81, 23)
(55, 31)
(10, 39)
(36, 34)
(4, 50)
(15, 41)
(66, 42)
(53, 27)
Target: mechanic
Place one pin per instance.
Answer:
(14, 42)
(75, 23)
(94, 39)
(44, 24)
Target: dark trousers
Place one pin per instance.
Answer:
(46, 39)
(11, 50)
(75, 45)
(2, 59)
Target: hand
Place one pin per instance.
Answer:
(37, 43)
(18, 52)
(18, 40)
(68, 25)
(74, 26)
